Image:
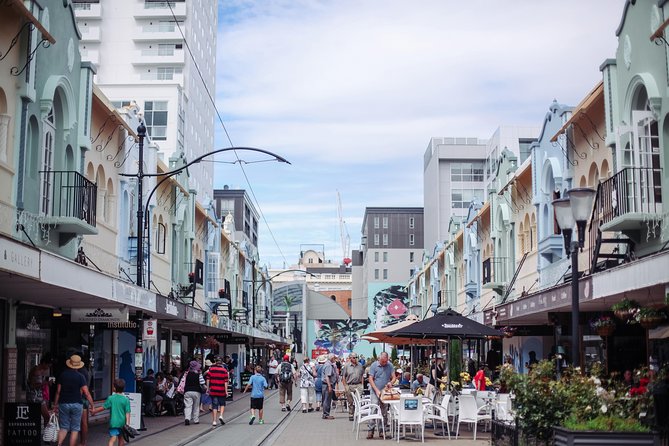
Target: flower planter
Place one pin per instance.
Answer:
(606, 330)
(565, 437)
(623, 315)
(650, 322)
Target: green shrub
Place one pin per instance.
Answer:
(605, 423)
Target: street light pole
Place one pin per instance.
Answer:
(141, 133)
(144, 209)
(569, 212)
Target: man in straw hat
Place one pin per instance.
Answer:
(67, 403)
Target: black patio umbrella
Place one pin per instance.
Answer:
(444, 325)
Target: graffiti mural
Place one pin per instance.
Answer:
(391, 304)
(337, 336)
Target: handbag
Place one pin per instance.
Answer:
(182, 384)
(50, 433)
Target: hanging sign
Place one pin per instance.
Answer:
(150, 331)
(99, 315)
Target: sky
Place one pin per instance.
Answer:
(351, 91)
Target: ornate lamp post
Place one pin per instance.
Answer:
(574, 210)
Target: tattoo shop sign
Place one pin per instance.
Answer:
(23, 425)
(99, 315)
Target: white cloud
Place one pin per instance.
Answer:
(351, 91)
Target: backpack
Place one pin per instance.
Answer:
(286, 374)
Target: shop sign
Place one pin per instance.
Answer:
(23, 424)
(316, 352)
(119, 325)
(135, 409)
(131, 294)
(169, 307)
(195, 315)
(19, 259)
(150, 331)
(236, 340)
(99, 315)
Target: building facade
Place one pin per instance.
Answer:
(164, 62)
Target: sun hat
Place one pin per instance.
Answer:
(194, 366)
(207, 362)
(286, 357)
(399, 370)
(322, 359)
(75, 362)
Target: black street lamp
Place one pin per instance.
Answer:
(143, 210)
(574, 210)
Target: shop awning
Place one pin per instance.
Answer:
(24, 12)
(581, 108)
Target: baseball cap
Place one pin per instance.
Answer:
(286, 357)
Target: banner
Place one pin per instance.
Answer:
(150, 331)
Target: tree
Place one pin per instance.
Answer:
(374, 354)
(393, 354)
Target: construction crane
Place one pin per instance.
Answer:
(343, 233)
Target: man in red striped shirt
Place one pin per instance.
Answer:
(217, 385)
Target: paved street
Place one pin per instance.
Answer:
(298, 429)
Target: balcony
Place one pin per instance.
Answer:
(151, 9)
(90, 56)
(550, 247)
(495, 274)
(154, 56)
(90, 34)
(164, 31)
(629, 198)
(88, 10)
(71, 204)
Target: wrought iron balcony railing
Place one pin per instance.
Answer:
(68, 194)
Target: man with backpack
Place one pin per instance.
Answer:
(287, 376)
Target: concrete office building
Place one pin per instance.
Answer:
(238, 204)
(453, 175)
(391, 247)
(141, 58)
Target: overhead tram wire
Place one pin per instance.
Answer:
(220, 120)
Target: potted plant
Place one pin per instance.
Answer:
(221, 293)
(191, 277)
(649, 317)
(624, 310)
(603, 325)
(576, 409)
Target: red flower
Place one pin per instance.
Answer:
(643, 382)
(637, 391)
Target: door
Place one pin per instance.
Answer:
(47, 161)
(646, 157)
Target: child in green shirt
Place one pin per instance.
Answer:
(119, 411)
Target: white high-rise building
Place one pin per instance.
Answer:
(141, 56)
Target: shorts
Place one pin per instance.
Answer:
(114, 431)
(217, 401)
(257, 403)
(319, 396)
(69, 416)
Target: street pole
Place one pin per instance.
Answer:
(576, 339)
(303, 341)
(141, 133)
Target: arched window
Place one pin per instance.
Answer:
(48, 141)
(521, 237)
(533, 232)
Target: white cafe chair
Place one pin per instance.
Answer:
(470, 413)
(410, 413)
(439, 412)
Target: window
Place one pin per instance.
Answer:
(348, 303)
(376, 274)
(310, 260)
(524, 147)
(461, 198)
(411, 239)
(385, 256)
(376, 222)
(411, 257)
(376, 256)
(121, 104)
(385, 222)
(376, 239)
(166, 49)
(47, 160)
(467, 171)
(155, 117)
(385, 274)
(385, 239)
(411, 222)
